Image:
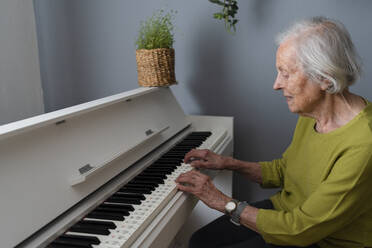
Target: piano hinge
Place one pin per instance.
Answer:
(60, 122)
(85, 168)
(149, 132)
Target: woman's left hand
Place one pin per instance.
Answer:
(202, 187)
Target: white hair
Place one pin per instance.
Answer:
(325, 50)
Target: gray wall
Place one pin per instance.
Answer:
(20, 84)
(87, 52)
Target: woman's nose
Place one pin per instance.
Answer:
(277, 84)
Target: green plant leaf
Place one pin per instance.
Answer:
(156, 31)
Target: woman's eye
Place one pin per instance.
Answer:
(284, 75)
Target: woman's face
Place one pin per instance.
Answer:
(303, 95)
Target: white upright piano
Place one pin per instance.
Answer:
(101, 174)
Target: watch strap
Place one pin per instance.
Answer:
(235, 216)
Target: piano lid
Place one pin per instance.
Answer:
(50, 162)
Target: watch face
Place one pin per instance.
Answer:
(230, 206)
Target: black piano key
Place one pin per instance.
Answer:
(125, 207)
(195, 139)
(103, 224)
(143, 181)
(170, 156)
(179, 149)
(154, 174)
(208, 133)
(139, 186)
(116, 199)
(175, 152)
(173, 159)
(68, 240)
(130, 196)
(186, 147)
(59, 244)
(135, 190)
(150, 178)
(93, 227)
(91, 239)
(165, 171)
(168, 161)
(184, 151)
(90, 230)
(179, 155)
(122, 212)
(105, 215)
(190, 142)
(164, 165)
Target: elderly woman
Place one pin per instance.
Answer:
(325, 175)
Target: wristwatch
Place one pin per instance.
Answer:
(235, 215)
(231, 206)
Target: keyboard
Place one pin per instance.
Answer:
(122, 217)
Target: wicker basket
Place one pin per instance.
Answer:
(155, 67)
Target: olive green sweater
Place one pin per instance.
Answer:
(326, 181)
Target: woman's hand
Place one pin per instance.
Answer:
(206, 159)
(202, 187)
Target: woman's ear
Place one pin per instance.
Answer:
(325, 84)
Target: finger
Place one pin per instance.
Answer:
(200, 164)
(183, 175)
(186, 188)
(196, 173)
(196, 154)
(184, 179)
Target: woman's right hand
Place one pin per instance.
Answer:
(204, 158)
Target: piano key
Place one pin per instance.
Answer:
(118, 206)
(105, 215)
(91, 240)
(115, 199)
(139, 185)
(149, 178)
(90, 229)
(103, 224)
(164, 166)
(201, 133)
(130, 196)
(176, 157)
(59, 244)
(168, 161)
(159, 170)
(135, 190)
(106, 241)
(144, 181)
(67, 240)
(191, 142)
(195, 139)
(154, 174)
(123, 212)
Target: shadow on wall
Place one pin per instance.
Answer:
(208, 83)
(259, 10)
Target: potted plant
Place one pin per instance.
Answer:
(228, 12)
(155, 54)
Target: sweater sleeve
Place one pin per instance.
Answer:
(336, 202)
(273, 173)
